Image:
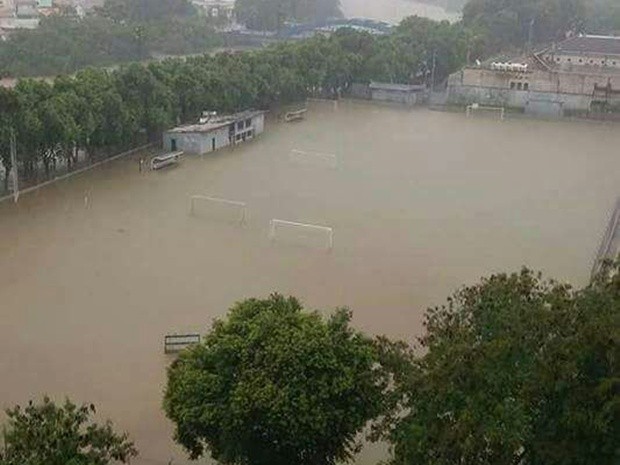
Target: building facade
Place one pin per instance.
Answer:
(215, 132)
(397, 93)
(580, 74)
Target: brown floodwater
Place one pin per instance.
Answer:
(420, 203)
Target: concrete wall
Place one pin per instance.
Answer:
(572, 61)
(197, 143)
(396, 96)
(501, 88)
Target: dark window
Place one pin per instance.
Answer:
(248, 122)
(526, 86)
(580, 60)
(512, 85)
(240, 125)
(591, 61)
(602, 62)
(519, 86)
(569, 60)
(173, 145)
(557, 59)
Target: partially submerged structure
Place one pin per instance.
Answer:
(407, 94)
(214, 131)
(580, 74)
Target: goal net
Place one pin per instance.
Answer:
(218, 209)
(303, 157)
(475, 110)
(293, 232)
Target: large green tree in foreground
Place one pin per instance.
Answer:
(515, 370)
(275, 385)
(48, 434)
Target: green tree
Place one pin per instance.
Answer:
(47, 434)
(270, 15)
(515, 370)
(515, 23)
(273, 384)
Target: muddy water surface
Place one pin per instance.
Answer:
(420, 203)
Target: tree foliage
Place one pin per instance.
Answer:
(271, 14)
(47, 434)
(273, 384)
(515, 370)
(99, 111)
(65, 43)
(508, 24)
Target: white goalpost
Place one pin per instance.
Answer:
(474, 108)
(313, 158)
(219, 204)
(275, 225)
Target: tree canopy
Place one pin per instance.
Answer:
(271, 14)
(47, 434)
(514, 370)
(273, 384)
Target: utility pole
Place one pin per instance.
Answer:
(433, 71)
(14, 171)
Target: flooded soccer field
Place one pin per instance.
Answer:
(419, 202)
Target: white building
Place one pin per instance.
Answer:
(215, 132)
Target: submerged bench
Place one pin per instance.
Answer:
(174, 343)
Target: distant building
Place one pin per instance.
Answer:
(26, 9)
(580, 74)
(222, 9)
(397, 93)
(214, 132)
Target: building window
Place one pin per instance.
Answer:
(591, 62)
(240, 125)
(526, 86)
(580, 60)
(602, 62)
(248, 122)
(519, 86)
(569, 60)
(513, 85)
(557, 59)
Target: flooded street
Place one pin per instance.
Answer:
(420, 203)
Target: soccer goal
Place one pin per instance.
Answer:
(481, 110)
(291, 230)
(218, 208)
(303, 157)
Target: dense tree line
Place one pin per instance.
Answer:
(272, 14)
(515, 24)
(102, 111)
(120, 31)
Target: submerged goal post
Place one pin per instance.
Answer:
(474, 108)
(234, 204)
(274, 224)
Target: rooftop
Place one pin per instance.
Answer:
(216, 122)
(590, 44)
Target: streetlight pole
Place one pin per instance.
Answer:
(433, 71)
(15, 173)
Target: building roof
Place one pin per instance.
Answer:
(396, 87)
(215, 122)
(589, 44)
